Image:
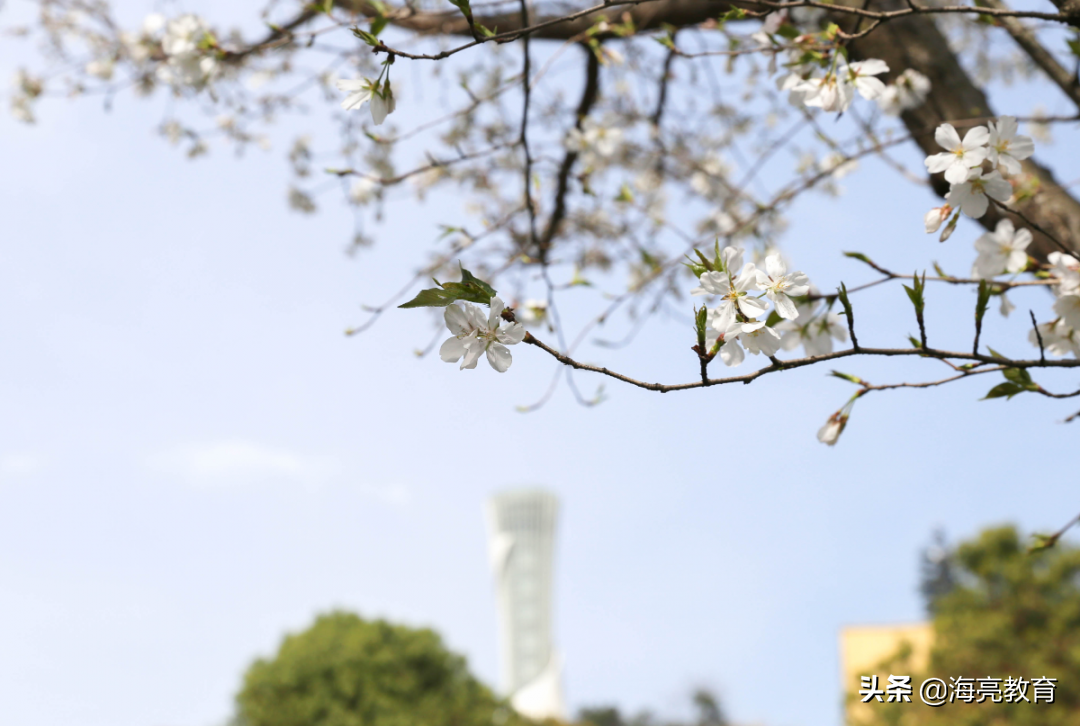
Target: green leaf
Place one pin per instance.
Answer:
(1042, 542)
(695, 268)
(665, 40)
(1019, 376)
(848, 312)
(858, 256)
(915, 343)
(788, 31)
(463, 6)
(430, 298)
(1074, 46)
(983, 302)
(846, 377)
(915, 293)
(994, 352)
(733, 14)
(470, 289)
(467, 278)
(773, 319)
(487, 32)
(1008, 390)
(366, 37)
(378, 23)
(327, 6)
(705, 262)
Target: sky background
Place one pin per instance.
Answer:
(194, 460)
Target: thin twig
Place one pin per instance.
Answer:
(1038, 334)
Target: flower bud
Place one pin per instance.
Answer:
(935, 217)
(830, 432)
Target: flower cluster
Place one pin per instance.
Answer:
(835, 90)
(596, 142)
(1062, 335)
(971, 185)
(188, 47)
(473, 334)
(734, 324)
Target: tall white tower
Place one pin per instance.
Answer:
(521, 529)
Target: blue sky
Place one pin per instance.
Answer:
(195, 460)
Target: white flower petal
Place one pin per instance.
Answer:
(452, 350)
(499, 357)
(947, 137)
(784, 306)
(511, 334)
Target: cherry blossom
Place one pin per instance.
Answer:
(795, 85)
(1068, 307)
(363, 190)
(861, 75)
(960, 156)
(831, 92)
(1001, 251)
(1057, 338)
(596, 141)
(971, 196)
(731, 352)
(474, 334)
(188, 62)
(732, 288)
(1006, 306)
(757, 337)
(908, 91)
(835, 90)
(1066, 269)
(1006, 148)
(101, 68)
(363, 90)
(779, 285)
(816, 335)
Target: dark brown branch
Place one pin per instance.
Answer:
(1025, 38)
(589, 94)
(799, 363)
(1038, 335)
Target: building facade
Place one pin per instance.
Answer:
(521, 530)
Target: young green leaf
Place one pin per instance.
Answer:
(1019, 376)
(700, 320)
(470, 289)
(858, 256)
(847, 377)
(983, 303)
(1008, 390)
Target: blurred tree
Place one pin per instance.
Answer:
(1008, 613)
(706, 706)
(937, 571)
(347, 671)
